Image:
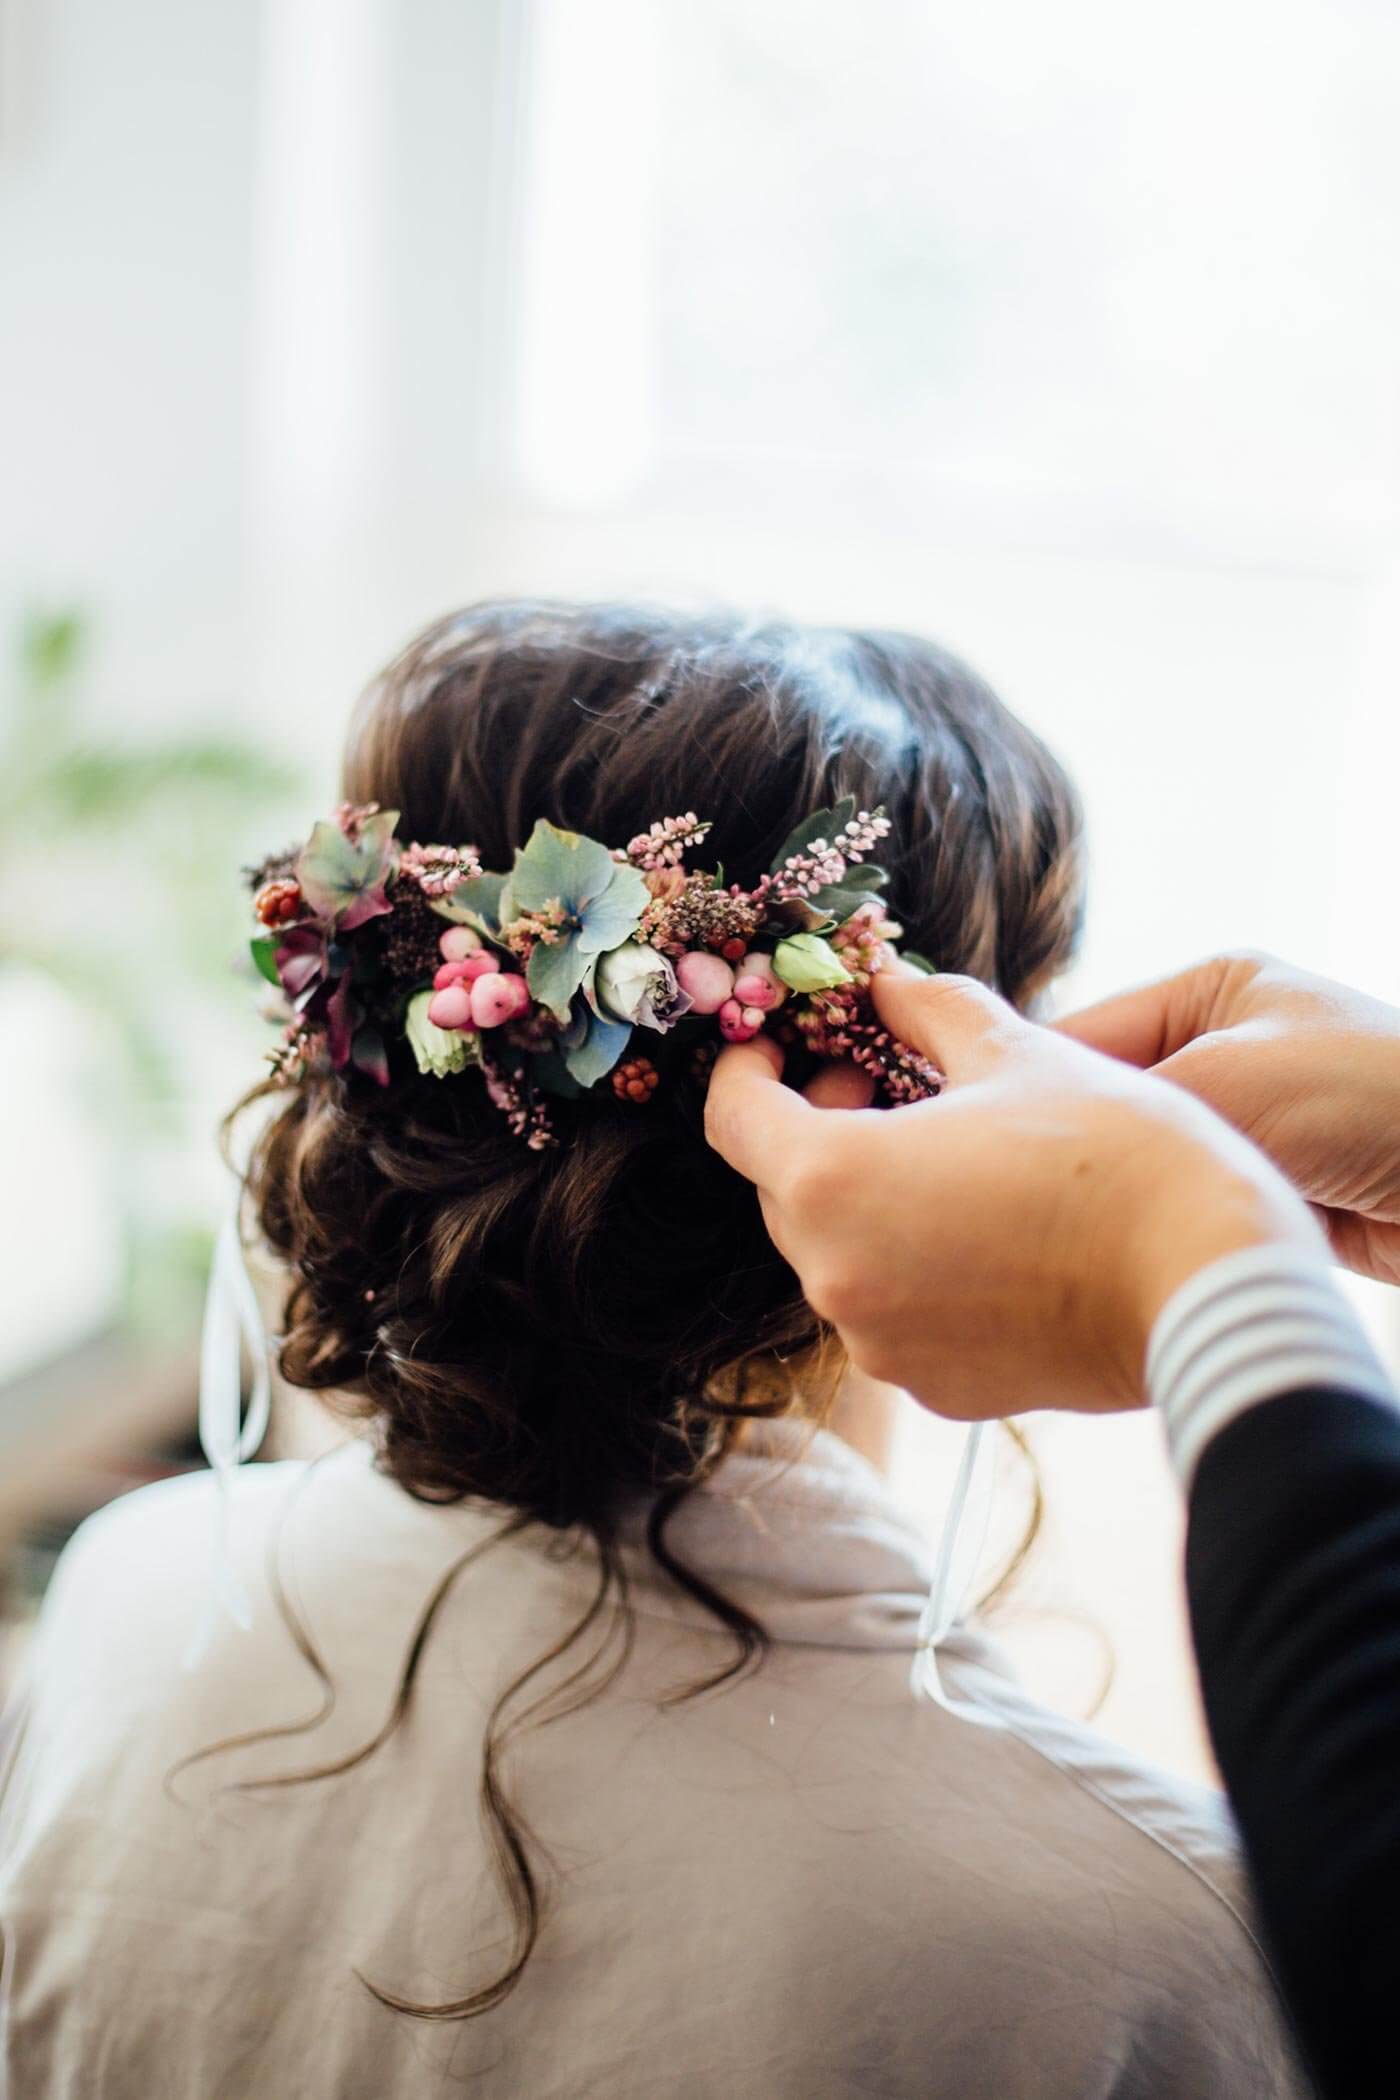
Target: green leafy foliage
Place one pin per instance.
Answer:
(822, 824)
(475, 903)
(602, 901)
(600, 1044)
(861, 883)
(342, 878)
(117, 859)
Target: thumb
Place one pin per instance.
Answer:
(959, 1024)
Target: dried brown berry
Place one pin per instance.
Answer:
(278, 903)
(637, 1080)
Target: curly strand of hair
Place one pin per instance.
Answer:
(302, 1639)
(521, 1859)
(750, 1639)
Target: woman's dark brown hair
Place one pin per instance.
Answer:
(558, 1332)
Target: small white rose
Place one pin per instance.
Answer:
(638, 984)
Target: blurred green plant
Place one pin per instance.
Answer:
(115, 861)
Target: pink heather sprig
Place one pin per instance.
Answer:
(296, 1052)
(665, 843)
(860, 942)
(834, 1025)
(438, 870)
(350, 816)
(525, 1113)
(825, 861)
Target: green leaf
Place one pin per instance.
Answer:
(919, 962)
(549, 1071)
(593, 1058)
(554, 973)
(807, 963)
(822, 824)
(614, 915)
(263, 950)
(559, 864)
(475, 903)
(50, 646)
(103, 783)
(342, 878)
(859, 885)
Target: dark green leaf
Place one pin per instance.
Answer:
(859, 885)
(822, 824)
(264, 953)
(548, 1070)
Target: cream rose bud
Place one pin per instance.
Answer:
(638, 984)
(807, 963)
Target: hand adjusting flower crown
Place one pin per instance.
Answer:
(541, 978)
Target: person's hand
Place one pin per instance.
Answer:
(1308, 1069)
(1008, 1244)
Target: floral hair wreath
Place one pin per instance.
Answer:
(542, 979)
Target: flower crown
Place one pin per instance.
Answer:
(542, 979)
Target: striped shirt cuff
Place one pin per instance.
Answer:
(1265, 1321)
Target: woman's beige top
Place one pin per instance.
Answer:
(815, 1882)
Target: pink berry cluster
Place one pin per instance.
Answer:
(823, 862)
(740, 993)
(470, 990)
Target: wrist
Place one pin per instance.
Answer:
(1205, 1194)
(1247, 1329)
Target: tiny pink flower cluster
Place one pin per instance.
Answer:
(438, 870)
(665, 843)
(825, 861)
(862, 943)
(469, 991)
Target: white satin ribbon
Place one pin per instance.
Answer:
(960, 1548)
(232, 1321)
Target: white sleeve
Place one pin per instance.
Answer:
(1265, 1321)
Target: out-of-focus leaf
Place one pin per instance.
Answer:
(342, 878)
(97, 784)
(50, 647)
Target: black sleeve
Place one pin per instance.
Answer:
(1293, 1576)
